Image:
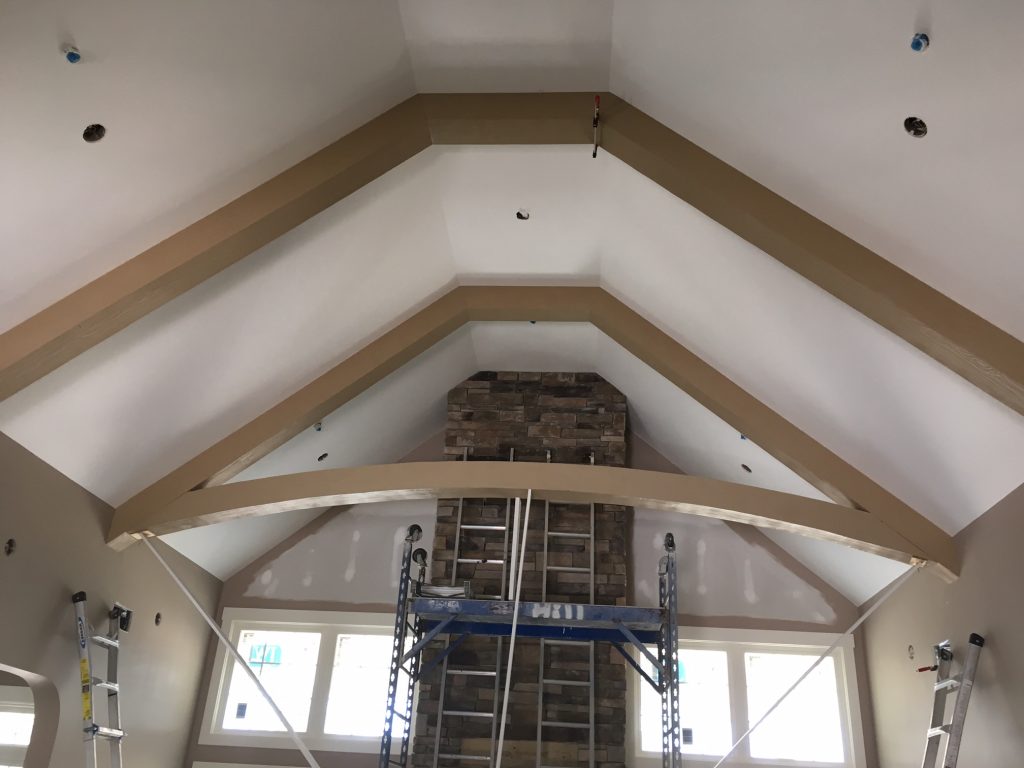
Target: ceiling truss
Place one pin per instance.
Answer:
(988, 357)
(848, 487)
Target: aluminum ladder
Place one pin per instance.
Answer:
(479, 529)
(962, 683)
(86, 637)
(542, 676)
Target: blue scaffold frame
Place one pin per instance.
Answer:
(423, 619)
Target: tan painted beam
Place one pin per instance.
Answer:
(811, 460)
(556, 482)
(983, 354)
(977, 350)
(132, 290)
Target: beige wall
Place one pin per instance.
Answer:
(59, 529)
(988, 600)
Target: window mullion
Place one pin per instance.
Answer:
(322, 681)
(227, 664)
(738, 697)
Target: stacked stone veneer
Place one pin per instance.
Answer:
(574, 416)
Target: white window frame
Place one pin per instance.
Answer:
(330, 624)
(737, 642)
(15, 698)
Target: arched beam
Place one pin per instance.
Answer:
(820, 467)
(555, 482)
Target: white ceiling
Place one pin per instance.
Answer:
(200, 108)
(809, 98)
(528, 45)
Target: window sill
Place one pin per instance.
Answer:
(319, 743)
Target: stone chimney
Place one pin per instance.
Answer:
(561, 417)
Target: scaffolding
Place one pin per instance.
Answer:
(425, 614)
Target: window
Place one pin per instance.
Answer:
(362, 663)
(703, 700)
(328, 672)
(806, 726)
(16, 719)
(285, 662)
(727, 681)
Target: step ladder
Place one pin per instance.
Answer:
(962, 683)
(451, 670)
(120, 621)
(546, 677)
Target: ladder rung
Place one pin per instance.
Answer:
(567, 535)
(934, 733)
(474, 672)
(476, 527)
(950, 684)
(488, 597)
(560, 724)
(480, 758)
(480, 560)
(568, 568)
(108, 733)
(106, 642)
(581, 683)
(464, 713)
(399, 714)
(106, 685)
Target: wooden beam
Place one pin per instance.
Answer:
(809, 459)
(977, 350)
(988, 357)
(132, 290)
(572, 483)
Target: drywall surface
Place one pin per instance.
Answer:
(353, 558)
(730, 575)
(987, 600)
(59, 529)
(725, 575)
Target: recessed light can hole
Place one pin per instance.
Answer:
(158, 619)
(9, 546)
(746, 468)
(321, 457)
(94, 133)
(916, 127)
(522, 214)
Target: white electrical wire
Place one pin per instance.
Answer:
(853, 628)
(515, 623)
(238, 657)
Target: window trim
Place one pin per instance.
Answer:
(330, 624)
(738, 642)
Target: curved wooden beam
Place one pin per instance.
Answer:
(555, 482)
(835, 478)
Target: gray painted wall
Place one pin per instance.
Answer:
(59, 528)
(987, 600)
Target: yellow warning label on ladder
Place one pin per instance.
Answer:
(83, 665)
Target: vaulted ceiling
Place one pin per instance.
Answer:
(200, 108)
